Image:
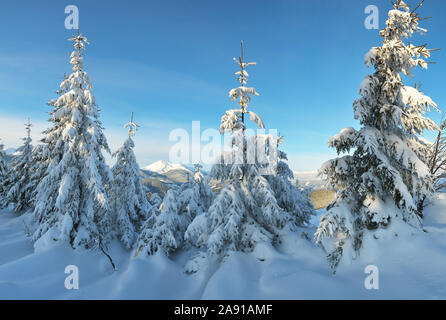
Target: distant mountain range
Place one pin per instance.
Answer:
(161, 175)
(309, 179)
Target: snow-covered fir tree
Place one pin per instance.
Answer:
(129, 197)
(247, 210)
(290, 198)
(3, 163)
(179, 208)
(155, 201)
(41, 152)
(72, 200)
(39, 158)
(437, 159)
(38, 167)
(4, 169)
(384, 177)
(17, 186)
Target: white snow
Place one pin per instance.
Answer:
(411, 266)
(162, 167)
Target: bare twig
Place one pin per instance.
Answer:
(419, 5)
(108, 256)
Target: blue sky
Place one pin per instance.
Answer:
(170, 62)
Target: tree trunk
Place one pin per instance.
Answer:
(421, 207)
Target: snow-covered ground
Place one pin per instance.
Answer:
(410, 266)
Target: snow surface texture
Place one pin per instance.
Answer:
(411, 267)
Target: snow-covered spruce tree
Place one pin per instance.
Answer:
(38, 167)
(129, 197)
(179, 208)
(385, 176)
(72, 201)
(437, 159)
(4, 169)
(41, 152)
(247, 210)
(289, 197)
(155, 201)
(17, 185)
(40, 156)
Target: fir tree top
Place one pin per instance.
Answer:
(234, 119)
(133, 127)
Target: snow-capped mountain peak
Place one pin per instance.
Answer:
(162, 167)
